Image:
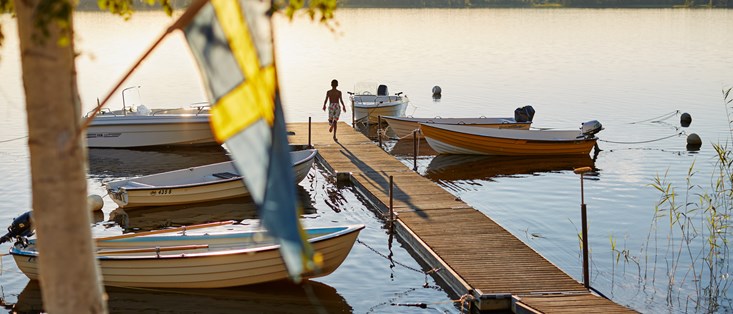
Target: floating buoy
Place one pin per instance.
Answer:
(693, 142)
(685, 120)
(437, 91)
(95, 202)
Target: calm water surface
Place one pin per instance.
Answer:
(571, 65)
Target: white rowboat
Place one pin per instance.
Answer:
(204, 260)
(197, 184)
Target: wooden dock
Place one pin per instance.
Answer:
(477, 258)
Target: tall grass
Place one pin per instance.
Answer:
(697, 223)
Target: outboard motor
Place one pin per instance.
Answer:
(21, 227)
(524, 114)
(590, 128)
(382, 90)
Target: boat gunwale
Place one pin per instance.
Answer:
(345, 230)
(116, 189)
(446, 127)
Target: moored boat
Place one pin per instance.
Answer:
(403, 127)
(197, 184)
(461, 139)
(138, 126)
(202, 260)
(370, 101)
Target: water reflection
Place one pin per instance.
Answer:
(106, 162)
(477, 167)
(275, 297)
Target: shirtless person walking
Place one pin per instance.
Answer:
(333, 97)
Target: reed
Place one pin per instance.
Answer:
(697, 222)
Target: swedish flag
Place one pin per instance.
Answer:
(232, 42)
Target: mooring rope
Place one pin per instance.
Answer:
(647, 141)
(659, 118)
(396, 262)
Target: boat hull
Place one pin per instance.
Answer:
(403, 127)
(368, 108)
(143, 131)
(192, 185)
(211, 267)
(453, 139)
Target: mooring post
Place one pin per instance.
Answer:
(415, 143)
(379, 130)
(391, 195)
(309, 133)
(584, 222)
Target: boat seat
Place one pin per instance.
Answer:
(225, 175)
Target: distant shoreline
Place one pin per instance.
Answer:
(406, 4)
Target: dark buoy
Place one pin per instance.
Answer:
(685, 120)
(437, 92)
(693, 142)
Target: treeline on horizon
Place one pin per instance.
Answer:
(179, 4)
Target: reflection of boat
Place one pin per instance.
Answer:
(135, 162)
(404, 126)
(201, 259)
(197, 184)
(138, 126)
(370, 101)
(461, 139)
(406, 147)
(282, 297)
(476, 167)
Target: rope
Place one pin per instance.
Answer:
(14, 139)
(659, 118)
(396, 262)
(647, 141)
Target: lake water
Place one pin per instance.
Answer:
(632, 70)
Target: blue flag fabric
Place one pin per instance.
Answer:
(232, 43)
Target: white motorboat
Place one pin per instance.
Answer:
(197, 184)
(138, 126)
(369, 101)
(202, 259)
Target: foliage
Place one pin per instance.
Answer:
(59, 12)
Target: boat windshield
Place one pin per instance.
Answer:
(365, 88)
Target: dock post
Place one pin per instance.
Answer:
(353, 115)
(415, 143)
(391, 196)
(309, 133)
(584, 222)
(379, 130)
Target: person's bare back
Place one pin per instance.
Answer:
(333, 98)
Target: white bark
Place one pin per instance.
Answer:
(70, 278)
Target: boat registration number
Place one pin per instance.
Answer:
(162, 192)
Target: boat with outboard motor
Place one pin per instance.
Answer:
(369, 101)
(462, 139)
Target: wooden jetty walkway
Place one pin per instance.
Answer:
(478, 259)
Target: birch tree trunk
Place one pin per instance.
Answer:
(69, 275)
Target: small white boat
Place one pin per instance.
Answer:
(403, 127)
(138, 126)
(200, 260)
(197, 184)
(369, 101)
(462, 139)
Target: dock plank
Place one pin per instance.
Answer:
(483, 254)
